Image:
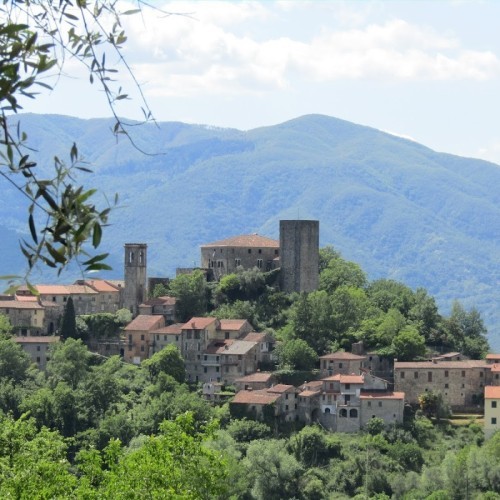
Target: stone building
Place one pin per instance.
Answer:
(299, 259)
(340, 362)
(166, 306)
(245, 251)
(139, 337)
(26, 317)
(255, 381)
(168, 335)
(460, 382)
(491, 410)
(38, 348)
(135, 292)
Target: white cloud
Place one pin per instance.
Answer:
(214, 51)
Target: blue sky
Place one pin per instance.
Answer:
(426, 70)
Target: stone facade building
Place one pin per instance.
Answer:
(135, 292)
(460, 382)
(38, 348)
(245, 251)
(341, 362)
(139, 337)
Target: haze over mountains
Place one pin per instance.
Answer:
(397, 208)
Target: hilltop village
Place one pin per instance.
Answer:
(233, 362)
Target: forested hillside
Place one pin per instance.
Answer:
(397, 208)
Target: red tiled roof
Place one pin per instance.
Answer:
(382, 395)
(198, 323)
(255, 337)
(492, 392)
(448, 365)
(245, 240)
(101, 286)
(52, 289)
(255, 397)
(351, 379)
(26, 298)
(279, 388)
(495, 367)
(493, 356)
(174, 329)
(144, 322)
(218, 346)
(18, 304)
(332, 378)
(312, 384)
(232, 324)
(256, 377)
(48, 339)
(309, 394)
(347, 356)
(160, 301)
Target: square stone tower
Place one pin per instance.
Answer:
(135, 292)
(299, 259)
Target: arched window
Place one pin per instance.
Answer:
(343, 413)
(327, 410)
(353, 413)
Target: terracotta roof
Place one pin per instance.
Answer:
(493, 356)
(312, 384)
(256, 377)
(232, 324)
(447, 355)
(174, 329)
(144, 322)
(382, 395)
(81, 290)
(239, 347)
(18, 304)
(218, 346)
(279, 388)
(492, 392)
(52, 289)
(495, 367)
(309, 394)
(26, 298)
(448, 365)
(198, 323)
(255, 397)
(101, 286)
(48, 339)
(245, 240)
(351, 379)
(255, 337)
(332, 378)
(160, 301)
(341, 355)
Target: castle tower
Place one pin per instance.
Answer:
(135, 276)
(299, 255)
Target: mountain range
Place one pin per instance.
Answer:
(397, 208)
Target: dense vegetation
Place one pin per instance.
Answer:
(95, 427)
(399, 209)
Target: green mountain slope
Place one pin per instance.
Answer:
(394, 206)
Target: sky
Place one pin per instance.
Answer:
(427, 70)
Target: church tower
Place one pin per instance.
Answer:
(135, 292)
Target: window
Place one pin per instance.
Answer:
(493, 404)
(347, 386)
(38, 361)
(286, 396)
(286, 407)
(204, 369)
(353, 413)
(249, 250)
(142, 337)
(205, 357)
(446, 373)
(142, 348)
(226, 335)
(463, 373)
(38, 348)
(237, 262)
(480, 374)
(130, 338)
(217, 369)
(415, 375)
(276, 252)
(259, 263)
(369, 404)
(446, 386)
(463, 386)
(260, 251)
(402, 375)
(494, 420)
(429, 376)
(380, 404)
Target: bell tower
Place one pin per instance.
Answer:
(135, 292)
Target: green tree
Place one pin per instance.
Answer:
(190, 290)
(160, 290)
(69, 362)
(174, 464)
(68, 324)
(389, 294)
(297, 354)
(168, 361)
(5, 326)
(37, 38)
(14, 362)
(408, 344)
(244, 430)
(340, 272)
(123, 317)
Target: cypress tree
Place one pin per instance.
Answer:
(68, 325)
